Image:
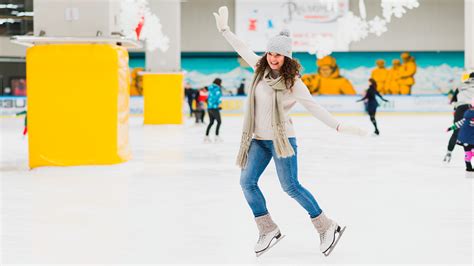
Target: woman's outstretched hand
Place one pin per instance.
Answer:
(352, 130)
(222, 18)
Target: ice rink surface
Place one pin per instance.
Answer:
(179, 200)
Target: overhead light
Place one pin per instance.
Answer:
(8, 6)
(24, 14)
(7, 20)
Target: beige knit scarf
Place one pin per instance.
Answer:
(281, 144)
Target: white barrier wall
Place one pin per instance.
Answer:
(348, 104)
(336, 104)
(339, 104)
(12, 105)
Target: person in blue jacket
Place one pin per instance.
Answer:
(466, 137)
(372, 103)
(213, 108)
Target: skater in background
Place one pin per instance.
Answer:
(213, 108)
(372, 103)
(465, 127)
(190, 94)
(268, 133)
(461, 98)
(201, 99)
(241, 88)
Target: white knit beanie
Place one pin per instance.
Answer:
(281, 44)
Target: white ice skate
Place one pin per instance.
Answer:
(469, 174)
(267, 241)
(207, 139)
(218, 139)
(330, 238)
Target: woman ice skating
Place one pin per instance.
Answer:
(268, 133)
(213, 108)
(372, 103)
(465, 126)
(462, 99)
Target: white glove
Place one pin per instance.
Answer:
(221, 19)
(352, 130)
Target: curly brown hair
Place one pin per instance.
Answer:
(289, 71)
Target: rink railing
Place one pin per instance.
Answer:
(10, 105)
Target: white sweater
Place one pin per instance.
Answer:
(264, 96)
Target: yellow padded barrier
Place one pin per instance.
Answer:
(163, 95)
(78, 104)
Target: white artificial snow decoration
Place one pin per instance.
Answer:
(152, 33)
(131, 11)
(130, 14)
(352, 28)
(323, 46)
(377, 26)
(397, 7)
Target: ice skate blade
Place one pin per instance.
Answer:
(272, 244)
(331, 248)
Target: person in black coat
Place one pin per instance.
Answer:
(372, 103)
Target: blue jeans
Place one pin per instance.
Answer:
(260, 154)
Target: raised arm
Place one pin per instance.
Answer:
(302, 95)
(239, 46)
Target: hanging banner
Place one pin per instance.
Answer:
(258, 20)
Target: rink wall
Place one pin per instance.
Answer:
(234, 105)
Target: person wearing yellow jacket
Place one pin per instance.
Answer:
(379, 74)
(392, 82)
(328, 79)
(407, 73)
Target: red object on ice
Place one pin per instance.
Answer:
(139, 27)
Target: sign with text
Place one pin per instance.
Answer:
(257, 21)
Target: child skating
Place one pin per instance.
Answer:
(465, 137)
(461, 99)
(201, 99)
(268, 133)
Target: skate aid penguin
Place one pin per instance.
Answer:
(268, 134)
